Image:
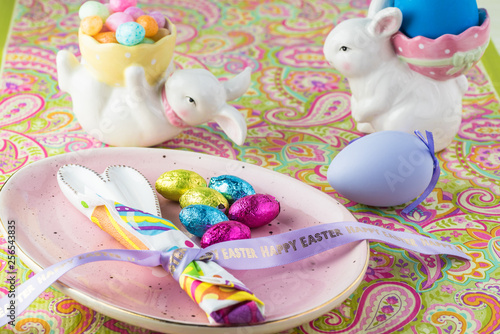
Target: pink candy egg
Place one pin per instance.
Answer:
(110, 11)
(115, 19)
(121, 5)
(159, 18)
(225, 231)
(135, 12)
(254, 210)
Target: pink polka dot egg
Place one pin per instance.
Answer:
(447, 56)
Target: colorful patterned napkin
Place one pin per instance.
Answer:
(224, 298)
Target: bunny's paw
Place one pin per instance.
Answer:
(365, 128)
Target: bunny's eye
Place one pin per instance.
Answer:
(191, 100)
(343, 48)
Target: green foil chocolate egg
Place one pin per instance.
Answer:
(173, 184)
(205, 196)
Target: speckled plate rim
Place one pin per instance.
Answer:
(174, 327)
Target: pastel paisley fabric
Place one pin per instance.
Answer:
(298, 115)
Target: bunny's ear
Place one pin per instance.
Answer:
(378, 5)
(232, 123)
(238, 85)
(385, 23)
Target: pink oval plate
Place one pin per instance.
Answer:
(49, 229)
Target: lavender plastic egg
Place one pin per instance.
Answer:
(385, 168)
(254, 210)
(232, 187)
(198, 218)
(225, 231)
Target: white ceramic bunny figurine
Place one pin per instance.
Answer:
(139, 114)
(386, 94)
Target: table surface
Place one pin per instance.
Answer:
(297, 111)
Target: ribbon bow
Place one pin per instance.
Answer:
(463, 61)
(435, 174)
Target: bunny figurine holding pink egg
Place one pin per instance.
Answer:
(126, 91)
(410, 82)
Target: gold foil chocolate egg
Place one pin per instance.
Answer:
(205, 196)
(173, 184)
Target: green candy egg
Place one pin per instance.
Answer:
(91, 8)
(205, 196)
(147, 40)
(173, 184)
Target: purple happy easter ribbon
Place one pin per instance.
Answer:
(258, 253)
(32, 288)
(435, 174)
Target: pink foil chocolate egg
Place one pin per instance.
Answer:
(225, 231)
(254, 210)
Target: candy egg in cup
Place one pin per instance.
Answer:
(107, 61)
(125, 89)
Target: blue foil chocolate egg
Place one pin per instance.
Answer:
(232, 187)
(198, 218)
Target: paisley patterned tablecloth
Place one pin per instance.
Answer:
(298, 116)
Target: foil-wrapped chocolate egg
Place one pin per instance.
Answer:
(204, 195)
(254, 210)
(198, 218)
(232, 187)
(173, 184)
(225, 231)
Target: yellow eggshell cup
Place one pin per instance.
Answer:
(107, 62)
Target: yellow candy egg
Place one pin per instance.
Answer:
(106, 37)
(162, 32)
(91, 25)
(205, 196)
(173, 184)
